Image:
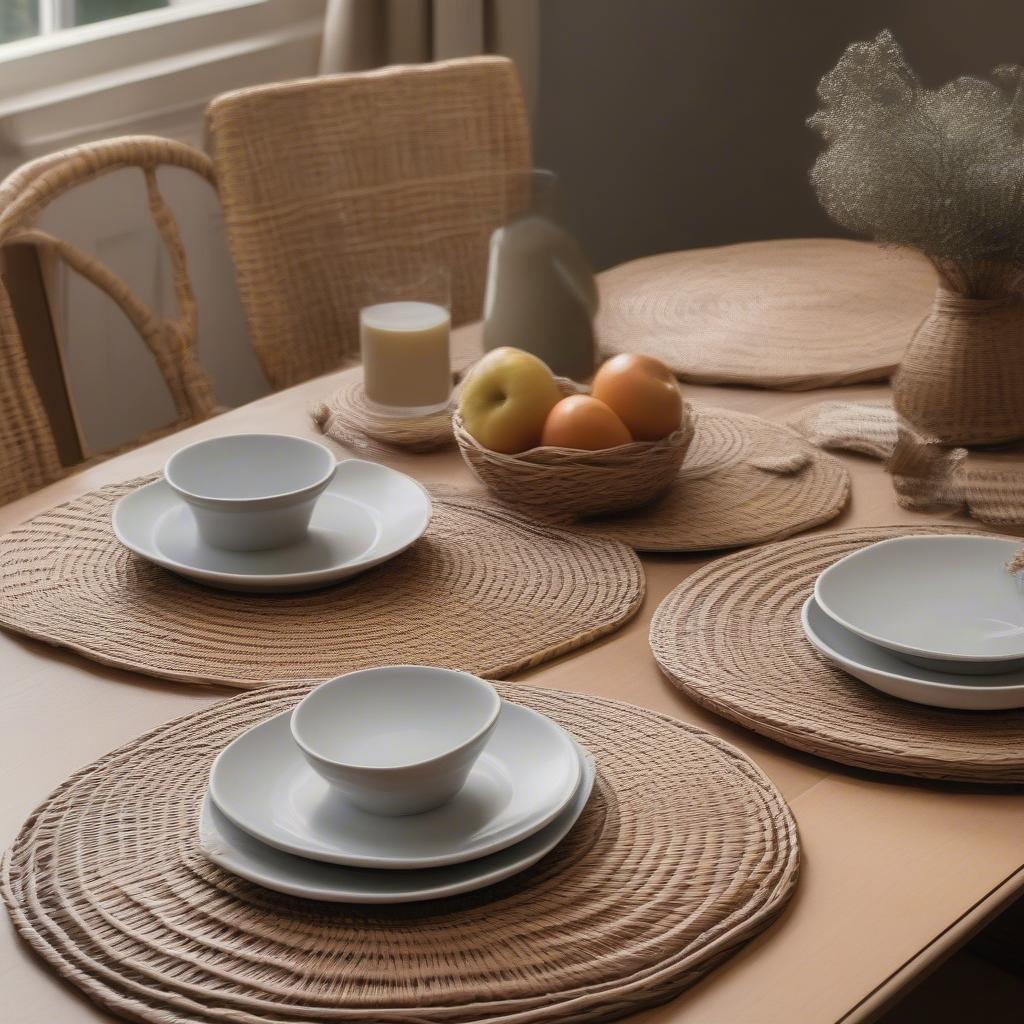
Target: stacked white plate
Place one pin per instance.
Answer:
(937, 620)
(270, 818)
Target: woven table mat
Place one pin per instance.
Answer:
(484, 590)
(346, 417)
(987, 484)
(791, 315)
(684, 852)
(730, 637)
(745, 480)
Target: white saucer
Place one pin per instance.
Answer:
(525, 776)
(368, 514)
(933, 599)
(889, 673)
(238, 852)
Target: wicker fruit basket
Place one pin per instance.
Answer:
(569, 484)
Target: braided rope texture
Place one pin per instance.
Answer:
(730, 638)
(348, 418)
(789, 315)
(684, 852)
(484, 590)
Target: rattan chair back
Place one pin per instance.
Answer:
(28, 455)
(332, 187)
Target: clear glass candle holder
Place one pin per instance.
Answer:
(404, 337)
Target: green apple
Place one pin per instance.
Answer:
(506, 398)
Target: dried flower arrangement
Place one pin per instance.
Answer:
(942, 171)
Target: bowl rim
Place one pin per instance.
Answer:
(295, 494)
(489, 723)
(895, 645)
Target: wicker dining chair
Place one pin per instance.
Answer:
(330, 183)
(28, 452)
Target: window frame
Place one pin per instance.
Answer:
(135, 72)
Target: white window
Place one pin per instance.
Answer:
(22, 19)
(75, 70)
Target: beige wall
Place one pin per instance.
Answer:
(679, 123)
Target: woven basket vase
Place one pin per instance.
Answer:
(961, 380)
(565, 483)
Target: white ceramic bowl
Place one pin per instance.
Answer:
(883, 670)
(399, 739)
(251, 492)
(933, 600)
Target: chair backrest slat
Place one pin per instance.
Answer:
(28, 453)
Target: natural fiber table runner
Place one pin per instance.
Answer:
(684, 852)
(484, 590)
(730, 637)
(988, 484)
(792, 315)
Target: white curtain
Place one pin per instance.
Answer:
(361, 34)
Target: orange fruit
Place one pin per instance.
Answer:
(584, 423)
(642, 391)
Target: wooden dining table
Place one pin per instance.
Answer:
(896, 873)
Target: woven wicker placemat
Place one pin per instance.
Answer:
(730, 638)
(484, 590)
(684, 852)
(987, 484)
(745, 480)
(793, 314)
(348, 418)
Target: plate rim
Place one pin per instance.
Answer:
(254, 580)
(391, 863)
(587, 781)
(842, 662)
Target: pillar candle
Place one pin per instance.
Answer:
(406, 356)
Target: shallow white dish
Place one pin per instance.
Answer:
(397, 739)
(944, 598)
(368, 514)
(884, 671)
(238, 852)
(525, 776)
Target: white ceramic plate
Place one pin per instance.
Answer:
(884, 671)
(238, 852)
(368, 514)
(945, 598)
(525, 776)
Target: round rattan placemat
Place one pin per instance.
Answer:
(745, 480)
(348, 418)
(484, 590)
(792, 314)
(730, 638)
(684, 852)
